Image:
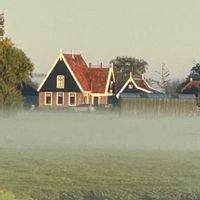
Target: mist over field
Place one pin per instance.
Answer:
(35, 129)
(48, 155)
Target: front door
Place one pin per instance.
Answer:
(95, 101)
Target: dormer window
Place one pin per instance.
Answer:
(60, 81)
(130, 86)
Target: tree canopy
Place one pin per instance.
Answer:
(124, 65)
(15, 68)
(195, 72)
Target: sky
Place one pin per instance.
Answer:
(158, 31)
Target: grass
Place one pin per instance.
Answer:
(60, 174)
(74, 156)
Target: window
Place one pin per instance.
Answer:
(48, 98)
(72, 99)
(95, 100)
(85, 99)
(60, 81)
(130, 86)
(60, 96)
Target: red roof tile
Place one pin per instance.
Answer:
(143, 84)
(90, 79)
(79, 68)
(189, 85)
(98, 78)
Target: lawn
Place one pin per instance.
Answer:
(74, 156)
(86, 173)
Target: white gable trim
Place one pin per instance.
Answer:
(51, 69)
(151, 87)
(137, 87)
(109, 77)
(66, 63)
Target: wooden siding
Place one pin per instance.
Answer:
(70, 83)
(145, 106)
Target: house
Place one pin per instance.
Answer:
(71, 82)
(135, 85)
(30, 95)
(191, 87)
(136, 96)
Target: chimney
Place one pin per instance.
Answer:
(142, 76)
(101, 64)
(90, 64)
(72, 54)
(61, 53)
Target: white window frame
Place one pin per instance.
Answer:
(63, 95)
(69, 95)
(63, 83)
(45, 98)
(98, 100)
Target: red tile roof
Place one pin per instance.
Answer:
(98, 78)
(79, 68)
(90, 79)
(140, 82)
(189, 85)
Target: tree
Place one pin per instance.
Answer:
(194, 72)
(2, 29)
(162, 80)
(15, 69)
(124, 65)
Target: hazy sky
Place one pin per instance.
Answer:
(159, 31)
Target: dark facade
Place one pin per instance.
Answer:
(70, 83)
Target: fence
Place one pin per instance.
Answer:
(157, 104)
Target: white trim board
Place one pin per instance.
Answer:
(136, 86)
(110, 73)
(61, 56)
(49, 72)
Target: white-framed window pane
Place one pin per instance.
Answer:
(60, 98)
(60, 81)
(95, 100)
(72, 99)
(48, 98)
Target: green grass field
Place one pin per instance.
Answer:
(74, 156)
(100, 174)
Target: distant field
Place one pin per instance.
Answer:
(62, 156)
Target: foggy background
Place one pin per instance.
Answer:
(54, 130)
(158, 31)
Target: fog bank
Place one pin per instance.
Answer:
(98, 130)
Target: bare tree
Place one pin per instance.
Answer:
(2, 27)
(162, 80)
